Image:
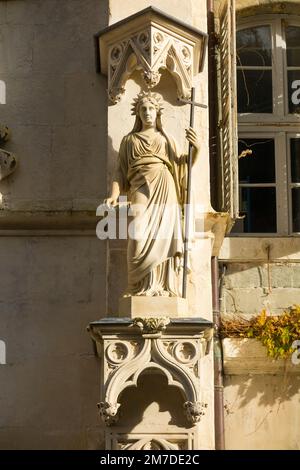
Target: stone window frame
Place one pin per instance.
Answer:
(279, 125)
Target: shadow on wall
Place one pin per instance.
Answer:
(262, 390)
(153, 402)
(166, 87)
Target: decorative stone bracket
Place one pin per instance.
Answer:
(217, 224)
(173, 347)
(8, 161)
(150, 41)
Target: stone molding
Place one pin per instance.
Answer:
(243, 356)
(49, 221)
(173, 347)
(246, 8)
(150, 41)
(247, 249)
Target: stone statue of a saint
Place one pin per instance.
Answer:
(152, 173)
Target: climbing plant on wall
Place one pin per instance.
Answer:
(276, 332)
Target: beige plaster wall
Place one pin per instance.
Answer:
(262, 412)
(188, 11)
(54, 103)
(51, 289)
(53, 282)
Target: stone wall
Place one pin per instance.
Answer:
(251, 287)
(54, 103)
(262, 405)
(52, 267)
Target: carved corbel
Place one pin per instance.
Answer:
(128, 348)
(150, 41)
(108, 412)
(8, 161)
(194, 411)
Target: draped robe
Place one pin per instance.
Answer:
(153, 175)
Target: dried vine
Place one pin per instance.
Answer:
(276, 332)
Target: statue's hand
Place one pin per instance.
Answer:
(193, 138)
(110, 202)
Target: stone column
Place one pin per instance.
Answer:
(155, 343)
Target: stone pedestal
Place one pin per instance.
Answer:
(142, 306)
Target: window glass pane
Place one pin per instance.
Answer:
(296, 209)
(254, 46)
(258, 167)
(258, 205)
(292, 35)
(294, 91)
(295, 160)
(254, 91)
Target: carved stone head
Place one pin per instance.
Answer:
(8, 163)
(4, 134)
(147, 96)
(144, 97)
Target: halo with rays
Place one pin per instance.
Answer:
(153, 97)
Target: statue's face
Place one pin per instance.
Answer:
(148, 113)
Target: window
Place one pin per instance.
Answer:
(268, 104)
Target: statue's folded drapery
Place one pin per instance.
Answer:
(153, 175)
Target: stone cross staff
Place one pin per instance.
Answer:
(188, 195)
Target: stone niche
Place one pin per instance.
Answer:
(156, 368)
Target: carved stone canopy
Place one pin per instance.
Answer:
(150, 41)
(173, 347)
